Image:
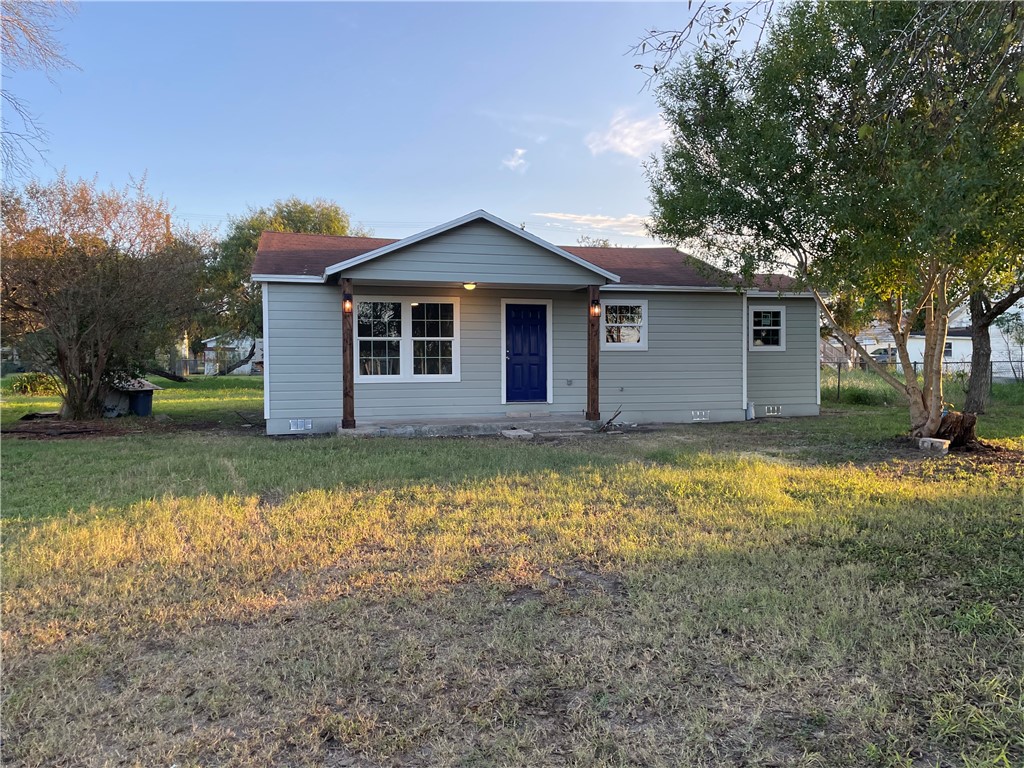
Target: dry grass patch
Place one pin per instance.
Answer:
(702, 610)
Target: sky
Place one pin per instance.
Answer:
(406, 114)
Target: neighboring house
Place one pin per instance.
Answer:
(957, 348)
(220, 352)
(479, 319)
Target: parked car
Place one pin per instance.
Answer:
(885, 356)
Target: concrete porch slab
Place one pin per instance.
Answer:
(462, 427)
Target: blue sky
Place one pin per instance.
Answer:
(408, 115)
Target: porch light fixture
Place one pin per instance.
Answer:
(346, 303)
(595, 308)
(469, 286)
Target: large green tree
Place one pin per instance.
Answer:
(805, 154)
(235, 305)
(94, 281)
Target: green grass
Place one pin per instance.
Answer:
(782, 592)
(214, 398)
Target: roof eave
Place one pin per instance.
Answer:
(264, 278)
(475, 215)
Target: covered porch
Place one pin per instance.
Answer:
(430, 353)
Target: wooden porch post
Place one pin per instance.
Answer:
(348, 385)
(593, 357)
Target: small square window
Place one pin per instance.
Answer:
(767, 329)
(624, 325)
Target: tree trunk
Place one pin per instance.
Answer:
(167, 375)
(240, 363)
(980, 383)
(958, 428)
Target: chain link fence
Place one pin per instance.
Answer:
(842, 382)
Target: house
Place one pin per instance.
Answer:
(479, 319)
(221, 352)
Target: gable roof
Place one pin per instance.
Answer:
(312, 258)
(479, 215)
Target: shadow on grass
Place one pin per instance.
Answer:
(758, 605)
(49, 479)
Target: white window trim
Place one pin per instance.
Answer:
(751, 309)
(503, 340)
(265, 293)
(644, 324)
(406, 341)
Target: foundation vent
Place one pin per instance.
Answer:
(700, 415)
(773, 410)
(300, 425)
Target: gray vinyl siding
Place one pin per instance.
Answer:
(694, 361)
(480, 252)
(789, 378)
(302, 353)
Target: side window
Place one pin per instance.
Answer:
(624, 325)
(767, 329)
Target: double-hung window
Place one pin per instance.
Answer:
(407, 339)
(624, 325)
(767, 329)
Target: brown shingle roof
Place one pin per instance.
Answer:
(781, 283)
(653, 266)
(287, 253)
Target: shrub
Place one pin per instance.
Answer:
(35, 384)
(857, 395)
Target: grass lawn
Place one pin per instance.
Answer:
(775, 593)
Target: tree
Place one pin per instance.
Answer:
(28, 42)
(235, 302)
(796, 154)
(93, 282)
(587, 241)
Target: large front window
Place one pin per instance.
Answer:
(407, 340)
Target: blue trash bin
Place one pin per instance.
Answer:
(141, 403)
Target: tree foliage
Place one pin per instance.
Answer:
(884, 182)
(93, 282)
(27, 42)
(590, 241)
(235, 302)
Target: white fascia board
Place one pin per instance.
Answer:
(667, 289)
(287, 278)
(474, 216)
(759, 294)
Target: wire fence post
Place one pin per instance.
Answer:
(839, 381)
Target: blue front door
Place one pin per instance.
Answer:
(526, 353)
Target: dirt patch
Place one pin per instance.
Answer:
(54, 429)
(51, 428)
(1002, 462)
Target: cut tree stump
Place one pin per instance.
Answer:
(958, 428)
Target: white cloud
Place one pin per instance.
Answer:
(533, 127)
(632, 224)
(516, 161)
(635, 138)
